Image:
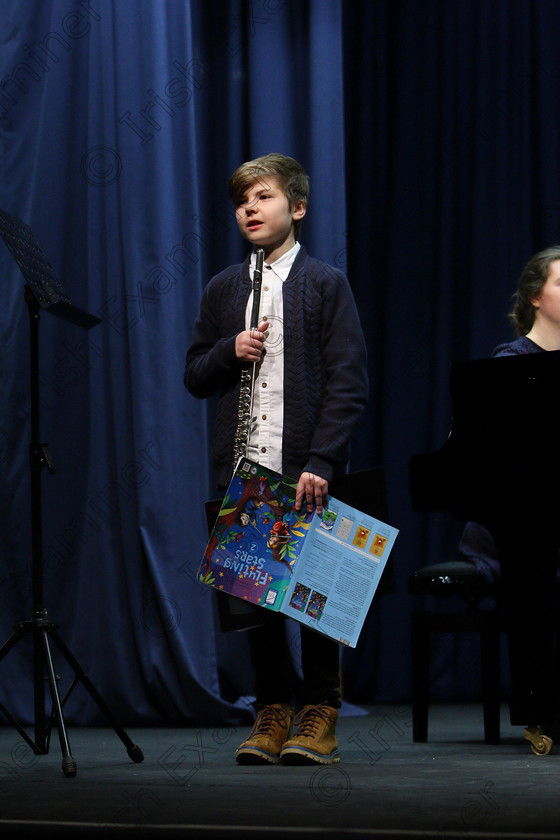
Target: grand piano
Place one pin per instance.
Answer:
(501, 467)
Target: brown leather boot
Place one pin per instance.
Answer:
(272, 728)
(315, 740)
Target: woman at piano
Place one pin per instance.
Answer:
(536, 319)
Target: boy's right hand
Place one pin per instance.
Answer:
(249, 344)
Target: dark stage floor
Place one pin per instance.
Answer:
(189, 785)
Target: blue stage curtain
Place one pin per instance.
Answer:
(429, 132)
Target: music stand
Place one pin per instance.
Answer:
(44, 291)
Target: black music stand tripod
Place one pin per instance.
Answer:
(44, 291)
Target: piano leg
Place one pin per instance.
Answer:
(529, 570)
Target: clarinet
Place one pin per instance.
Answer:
(248, 373)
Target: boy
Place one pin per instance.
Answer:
(311, 386)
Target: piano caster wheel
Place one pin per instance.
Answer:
(540, 743)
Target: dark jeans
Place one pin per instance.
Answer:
(275, 677)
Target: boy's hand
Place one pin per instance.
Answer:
(249, 344)
(314, 490)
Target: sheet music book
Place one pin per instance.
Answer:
(320, 571)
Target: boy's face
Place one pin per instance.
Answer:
(265, 218)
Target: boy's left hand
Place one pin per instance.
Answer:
(314, 490)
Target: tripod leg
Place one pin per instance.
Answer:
(134, 751)
(19, 631)
(68, 763)
(39, 744)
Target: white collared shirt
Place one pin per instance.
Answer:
(265, 441)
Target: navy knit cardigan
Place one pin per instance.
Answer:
(325, 376)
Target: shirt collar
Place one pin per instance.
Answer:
(282, 266)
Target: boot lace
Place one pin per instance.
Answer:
(268, 719)
(309, 720)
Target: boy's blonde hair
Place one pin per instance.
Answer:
(290, 175)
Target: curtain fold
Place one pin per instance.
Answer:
(429, 130)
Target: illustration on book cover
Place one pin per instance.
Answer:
(256, 538)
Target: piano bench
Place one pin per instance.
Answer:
(443, 580)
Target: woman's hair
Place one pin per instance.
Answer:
(288, 172)
(533, 278)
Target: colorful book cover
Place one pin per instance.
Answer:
(257, 537)
(321, 571)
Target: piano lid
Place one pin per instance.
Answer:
(502, 451)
